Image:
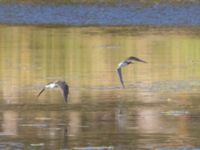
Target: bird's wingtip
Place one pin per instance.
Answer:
(65, 99)
(141, 60)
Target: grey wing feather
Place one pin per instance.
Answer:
(132, 58)
(65, 90)
(41, 92)
(119, 71)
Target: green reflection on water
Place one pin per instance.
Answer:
(87, 58)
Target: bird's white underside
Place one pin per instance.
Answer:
(50, 86)
(122, 64)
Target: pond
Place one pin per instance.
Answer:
(158, 109)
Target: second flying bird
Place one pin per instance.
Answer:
(129, 60)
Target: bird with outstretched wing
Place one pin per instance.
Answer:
(124, 63)
(61, 84)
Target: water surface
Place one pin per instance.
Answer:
(158, 109)
(117, 14)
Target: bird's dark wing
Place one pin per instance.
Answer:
(65, 90)
(41, 92)
(132, 58)
(119, 71)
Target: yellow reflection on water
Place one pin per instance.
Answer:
(87, 57)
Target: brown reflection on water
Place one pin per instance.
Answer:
(99, 112)
(9, 123)
(75, 123)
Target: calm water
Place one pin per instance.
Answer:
(119, 13)
(159, 108)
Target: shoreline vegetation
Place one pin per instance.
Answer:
(119, 30)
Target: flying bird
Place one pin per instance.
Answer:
(57, 84)
(129, 60)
